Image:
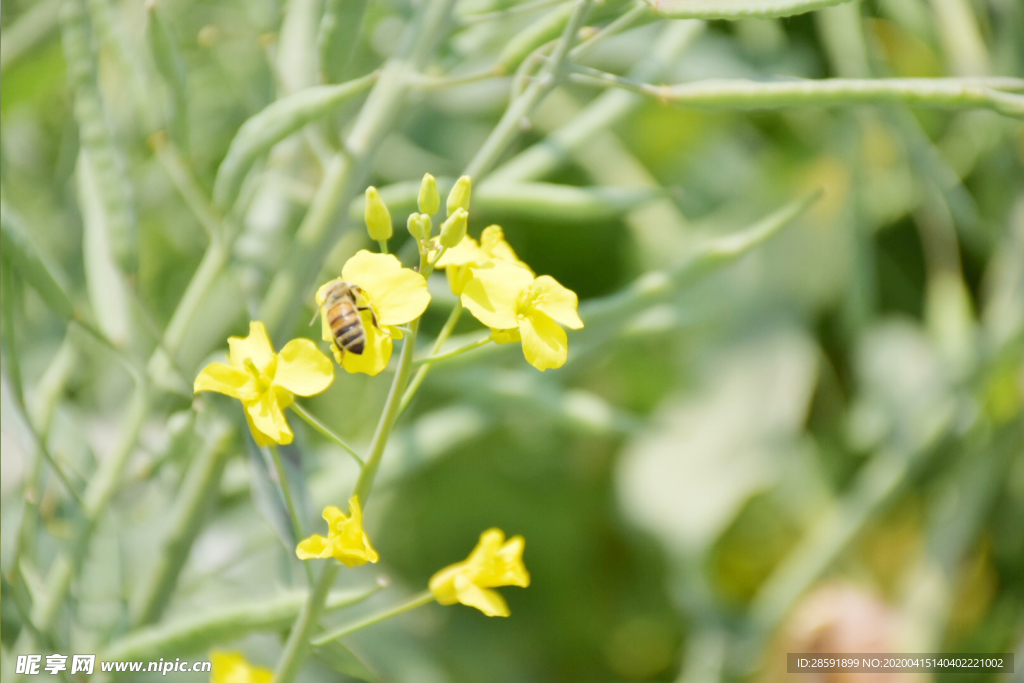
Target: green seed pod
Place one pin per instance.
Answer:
(454, 229)
(378, 219)
(416, 227)
(458, 198)
(428, 201)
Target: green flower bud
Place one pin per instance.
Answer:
(454, 229)
(378, 219)
(416, 227)
(458, 198)
(429, 201)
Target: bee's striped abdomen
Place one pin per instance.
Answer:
(347, 326)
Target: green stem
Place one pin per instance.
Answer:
(383, 246)
(297, 647)
(442, 337)
(392, 408)
(481, 17)
(454, 352)
(325, 430)
(510, 124)
(282, 480)
(424, 598)
(191, 507)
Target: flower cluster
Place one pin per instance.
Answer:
(373, 302)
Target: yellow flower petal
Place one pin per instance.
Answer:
(544, 342)
(346, 540)
(442, 584)
(376, 354)
(492, 295)
(486, 600)
(465, 253)
(312, 548)
(302, 369)
(268, 415)
(231, 667)
(256, 347)
(557, 301)
(494, 246)
(259, 437)
(397, 294)
(511, 570)
(506, 336)
(226, 379)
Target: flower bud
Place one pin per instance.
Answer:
(378, 219)
(428, 201)
(416, 227)
(458, 198)
(454, 229)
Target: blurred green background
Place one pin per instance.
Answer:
(817, 449)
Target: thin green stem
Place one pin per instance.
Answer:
(623, 22)
(383, 246)
(454, 352)
(424, 598)
(184, 180)
(282, 480)
(510, 124)
(297, 647)
(514, 10)
(325, 430)
(392, 408)
(442, 337)
(191, 507)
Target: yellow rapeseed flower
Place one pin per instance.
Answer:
(394, 295)
(266, 382)
(231, 667)
(512, 302)
(493, 563)
(460, 260)
(345, 541)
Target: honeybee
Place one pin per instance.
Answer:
(341, 309)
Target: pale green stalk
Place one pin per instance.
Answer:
(604, 112)
(319, 426)
(507, 12)
(191, 508)
(442, 337)
(942, 93)
(511, 121)
(34, 25)
(424, 598)
(430, 360)
(97, 496)
(184, 181)
(286, 493)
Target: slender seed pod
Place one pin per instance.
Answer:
(164, 48)
(273, 124)
(336, 40)
(196, 633)
(38, 271)
(97, 140)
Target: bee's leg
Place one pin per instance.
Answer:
(313, 319)
(372, 315)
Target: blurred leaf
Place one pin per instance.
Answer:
(342, 659)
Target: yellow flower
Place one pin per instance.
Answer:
(345, 541)
(266, 382)
(494, 562)
(394, 295)
(231, 667)
(509, 299)
(460, 260)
